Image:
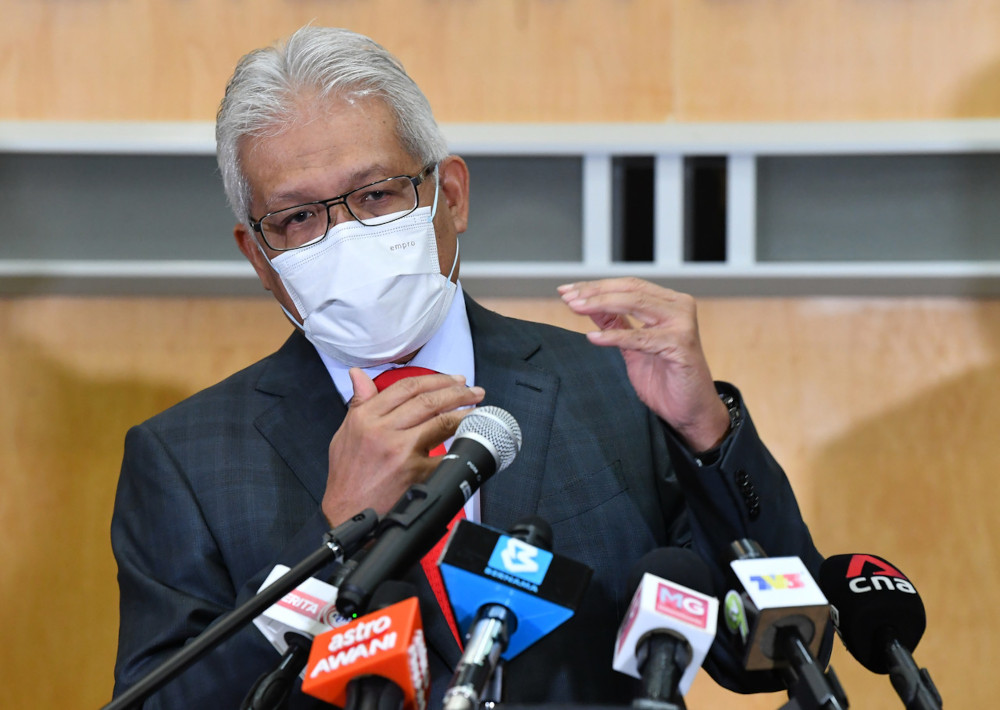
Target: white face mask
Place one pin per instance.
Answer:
(370, 295)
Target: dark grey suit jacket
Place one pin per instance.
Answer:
(221, 487)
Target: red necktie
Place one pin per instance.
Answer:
(430, 559)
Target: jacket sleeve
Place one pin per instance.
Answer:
(740, 491)
(174, 583)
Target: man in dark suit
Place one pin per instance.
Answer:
(629, 444)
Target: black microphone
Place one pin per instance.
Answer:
(780, 615)
(669, 627)
(496, 606)
(291, 625)
(377, 661)
(880, 618)
(377, 692)
(272, 689)
(487, 441)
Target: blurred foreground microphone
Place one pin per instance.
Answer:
(308, 610)
(880, 619)
(669, 627)
(487, 440)
(376, 662)
(780, 615)
(290, 625)
(507, 591)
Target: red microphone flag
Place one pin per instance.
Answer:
(387, 643)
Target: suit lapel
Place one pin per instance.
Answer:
(529, 393)
(307, 413)
(308, 410)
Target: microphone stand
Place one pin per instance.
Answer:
(338, 544)
(486, 640)
(373, 692)
(668, 655)
(809, 688)
(913, 685)
(272, 689)
(494, 692)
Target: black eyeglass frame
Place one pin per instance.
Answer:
(417, 180)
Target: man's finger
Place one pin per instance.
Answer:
(651, 305)
(364, 387)
(439, 429)
(409, 388)
(427, 405)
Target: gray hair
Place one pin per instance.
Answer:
(260, 97)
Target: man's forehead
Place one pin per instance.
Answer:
(346, 146)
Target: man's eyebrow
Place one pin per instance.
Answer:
(358, 178)
(290, 199)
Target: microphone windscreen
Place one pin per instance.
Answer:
(533, 530)
(873, 603)
(387, 642)
(677, 564)
(391, 592)
(497, 429)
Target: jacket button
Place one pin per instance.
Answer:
(750, 497)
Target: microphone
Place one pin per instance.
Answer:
(290, 626)
(669, 626)
(780, 615)
(308, 610)
(507, 591)
(376, 661)
(272, 689)
(487, 440)
(880, 618)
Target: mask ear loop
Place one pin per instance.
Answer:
(437, 187)
(264, 254)
(455, 262)
(281, 305)
(289, 316)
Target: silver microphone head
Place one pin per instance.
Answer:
(497, 429)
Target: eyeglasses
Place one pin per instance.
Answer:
(378, 203)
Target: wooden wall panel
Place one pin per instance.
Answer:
(525, 60)
(76, 375)
(477, 61)
(881, 411)
(836, 60)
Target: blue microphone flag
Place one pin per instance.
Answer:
(481, 565)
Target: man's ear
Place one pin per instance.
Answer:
(453, 175)
(247, 243)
